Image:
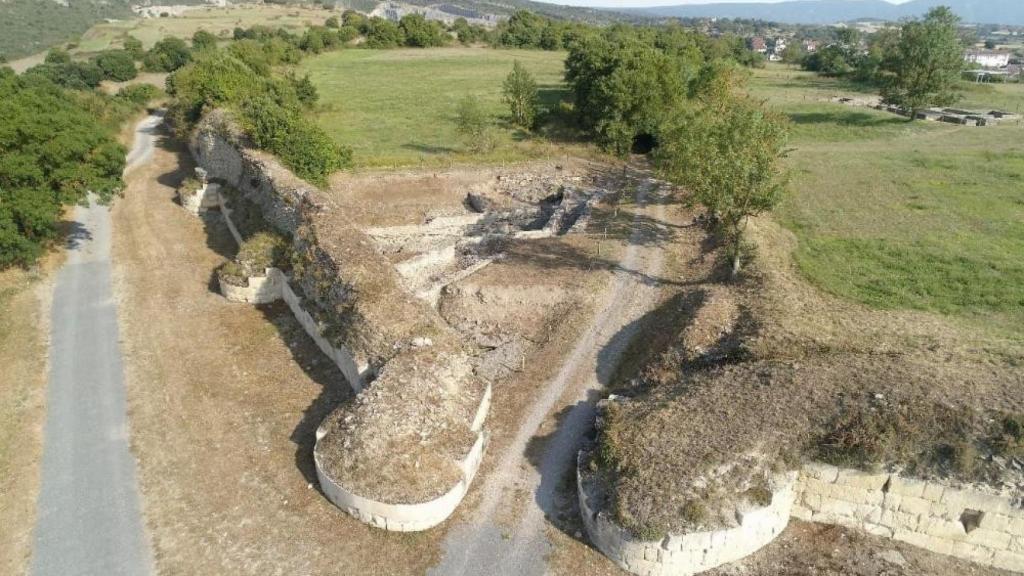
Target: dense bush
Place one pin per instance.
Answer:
(139, 94)
(268, 106)
(167, 55)
(133, 46)
(203, 40)
(422, 33)
(73, 75)
(54, 149)
(116, 65)
(381, 33)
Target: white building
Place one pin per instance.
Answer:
(988, 58)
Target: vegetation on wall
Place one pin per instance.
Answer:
(269, 106)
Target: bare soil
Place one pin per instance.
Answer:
(224, 400)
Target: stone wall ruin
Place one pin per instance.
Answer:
(394, 351)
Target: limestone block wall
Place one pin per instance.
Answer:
(965, 523)
(353, 370)
(684, 554)
(292, 207)
(261, 289)
(202, 199)
(406, 517)
(217, 147)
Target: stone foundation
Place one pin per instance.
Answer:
(968, 524)
(292, 208)
(685, 554)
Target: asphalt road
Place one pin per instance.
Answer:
(484, 547)
(89, 521)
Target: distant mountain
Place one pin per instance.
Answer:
(1009, 12)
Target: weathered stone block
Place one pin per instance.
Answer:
(914, 505)
(1008, 560)
(876, 529)
(859, 479)
(997, 522)
(989, 538)
(820, 471)
(906, 486)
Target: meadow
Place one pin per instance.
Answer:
(397, 107)
(898, 214)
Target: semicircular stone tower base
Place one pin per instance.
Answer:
(683, 554)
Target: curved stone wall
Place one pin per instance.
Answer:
(683, 554)
(260, 289)
(968, 524)
(403, 517)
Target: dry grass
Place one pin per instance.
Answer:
(224, 400)
(23, 338)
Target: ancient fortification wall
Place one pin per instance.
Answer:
(683, 554)
(338, 292)
(968, 524)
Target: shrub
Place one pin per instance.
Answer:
(117, 65)
(133, 46)
(520, 93)
(167, 55)
(139, 94)
(54, 151)
(474, 124)
(263, 250)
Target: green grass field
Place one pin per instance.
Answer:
(905, 215)
(397, 107)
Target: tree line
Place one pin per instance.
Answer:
(914, 66)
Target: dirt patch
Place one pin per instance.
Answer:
(24, 327)
(224, 402)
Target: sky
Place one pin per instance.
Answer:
(645, 3)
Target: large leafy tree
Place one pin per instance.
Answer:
(520, 93)
(625, 80)
(54, 149)
(923, 67)
(726, 150)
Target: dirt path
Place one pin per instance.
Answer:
(88, 511)
(483, 545)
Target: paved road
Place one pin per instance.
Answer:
(483, 547)
(88, 514)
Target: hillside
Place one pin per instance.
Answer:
(478, 8)
(1009, 12)
(28, 26)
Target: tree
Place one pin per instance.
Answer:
(57, 56)
(422, 33)
(381, 33)
(520, 93)
(924, 66)
(332, 22)
(167, 55)
(203, 40)
(474, 124)
(727, 154)
(54, 152)
(990, 44)
(794, 54)
(117, 65)
(133, 46)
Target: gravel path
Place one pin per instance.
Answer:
(88, 512)
(483, 547)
